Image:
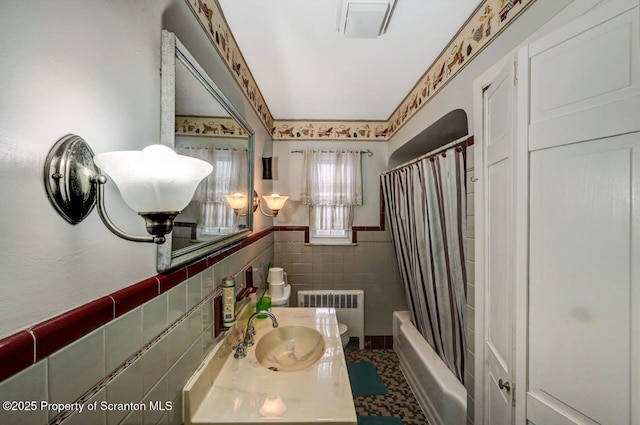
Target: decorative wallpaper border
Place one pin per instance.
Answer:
(488, 20)
(213, 23)
(318, 130)
(221, 127)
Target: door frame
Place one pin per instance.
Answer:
(479, 86)
(521, 235)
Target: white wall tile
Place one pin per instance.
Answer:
(94, 417)
(182, 369)
(194, 291)
(133, 418)
(177, 302)
(154, 317)
(208, 281)
(123, 337)
(125, 388)
(154, 364)
(159, 393)
(175, 414)
(30, 384)
(76, 368)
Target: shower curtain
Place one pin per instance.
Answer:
(426, 205)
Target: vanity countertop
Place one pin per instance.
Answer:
(242, 391)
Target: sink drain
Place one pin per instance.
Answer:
(273, 368)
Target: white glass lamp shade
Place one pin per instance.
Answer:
(155, 179)
(237, 201)
(275, 202)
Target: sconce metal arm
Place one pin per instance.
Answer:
(99, 181)
(273, 213)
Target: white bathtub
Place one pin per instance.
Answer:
(440, 395)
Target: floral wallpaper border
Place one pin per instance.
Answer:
(222, 127)
(212, 21)
(489, 19)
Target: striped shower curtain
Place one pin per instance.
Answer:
(425, 203)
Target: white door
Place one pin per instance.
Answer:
(584, 221)
(498, 192)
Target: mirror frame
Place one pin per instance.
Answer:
(172, 50)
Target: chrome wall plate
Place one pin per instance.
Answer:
(68, 171)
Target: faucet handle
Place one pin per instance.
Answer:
(240, 348)
(249, 333)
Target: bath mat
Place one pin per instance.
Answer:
(379, 420)
(364, 379)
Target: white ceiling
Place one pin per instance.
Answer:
(306, 69)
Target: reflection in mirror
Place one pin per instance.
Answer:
(199, 121)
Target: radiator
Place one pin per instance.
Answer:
(349, 305)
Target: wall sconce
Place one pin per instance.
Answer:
(238, 202)
(156, 182)
(267, 173)
(274, 202)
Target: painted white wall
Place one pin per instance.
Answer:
(288, 179)
(93, 69)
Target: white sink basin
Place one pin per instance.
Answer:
(311, 386)
(290, 348)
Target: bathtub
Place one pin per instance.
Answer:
(440, 395)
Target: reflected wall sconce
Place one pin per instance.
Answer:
(155, 182)
(274, 202)
(238, 202)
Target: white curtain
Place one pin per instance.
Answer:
(229, 176)
(332, 186)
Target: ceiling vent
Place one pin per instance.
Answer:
(364, 18)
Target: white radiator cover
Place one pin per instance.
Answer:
(349, 305)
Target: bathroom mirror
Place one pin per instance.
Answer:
(198, 120)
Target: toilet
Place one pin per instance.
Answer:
(344, 334)
(279, 288)
(282, 301)
(280, 292)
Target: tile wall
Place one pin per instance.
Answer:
(369, 265)
(471, 302)
(142, 358)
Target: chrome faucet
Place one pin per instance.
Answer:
(250, 332)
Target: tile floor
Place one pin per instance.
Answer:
(399, 401)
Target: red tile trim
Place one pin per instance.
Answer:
(248, 277)
(128, 298)
(217, 319)
(354, 229)
(16, 353)
(172, 279)
(304, 229)
(24, 348)
(197, 267)
(68, 327)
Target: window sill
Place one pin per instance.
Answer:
(332, 243)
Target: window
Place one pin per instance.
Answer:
(214, 215)
(333, 186)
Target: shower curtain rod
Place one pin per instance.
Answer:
(368, 152)
(467, 140)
